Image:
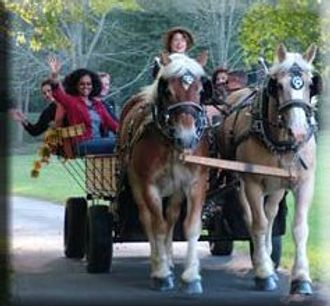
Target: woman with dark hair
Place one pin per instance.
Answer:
(79, 97)
(46, 117)
(220, 82)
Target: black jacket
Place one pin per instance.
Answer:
(43, 123)
(110, 106)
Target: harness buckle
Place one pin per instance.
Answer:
(257, 126)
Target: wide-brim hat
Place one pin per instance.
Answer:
(170, 33)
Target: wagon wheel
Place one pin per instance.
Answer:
(220, 247)
(276, 250)
(75, 227)
(99, 239)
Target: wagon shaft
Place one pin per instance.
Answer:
(238, 166)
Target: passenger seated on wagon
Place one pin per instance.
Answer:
(105, 94)
(218, 108)
(47, 116)
(220, 83)
(108, 101)
(237, 79)
(79, 95)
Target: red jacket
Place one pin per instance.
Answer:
(77, 112)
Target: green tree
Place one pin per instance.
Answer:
(296, 23)
(71, 27)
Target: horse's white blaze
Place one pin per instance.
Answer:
(298, 123)
(297, 94)
(186, 135)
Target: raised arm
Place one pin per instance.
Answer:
(47, 116)
(54, 68)
(58, 91)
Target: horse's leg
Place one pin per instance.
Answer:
(151, 216)
(247, 215)
(192, 227)
(271, 210)
(301, 282)
(262, 263)
(172, 215)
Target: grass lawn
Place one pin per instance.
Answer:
(319, 219)
(55, 184)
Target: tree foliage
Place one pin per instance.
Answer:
(295, 23)
(52, 21)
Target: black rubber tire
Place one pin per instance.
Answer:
(221, 247)
(276, 250)
(75, 227)
(99, 239)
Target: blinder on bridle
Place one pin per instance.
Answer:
(207, 92)
(297, 82)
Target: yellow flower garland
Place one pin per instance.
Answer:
(49, 147)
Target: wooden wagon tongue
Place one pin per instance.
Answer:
(238, 166)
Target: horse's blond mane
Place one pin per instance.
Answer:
(290, 59)
(179, 65)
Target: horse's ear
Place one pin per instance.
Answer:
(162, 87)
(202, 58)
(316, 86)
(281, 52)
(309, 55)
(165, 58)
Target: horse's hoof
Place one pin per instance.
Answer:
(162, 284)
(276, 278)
(266, 284)
(302, 287)
(193, 287)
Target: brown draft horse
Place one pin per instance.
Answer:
(276, 129)
(162, 121)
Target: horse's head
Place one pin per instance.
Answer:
(292, 86)
(181, 89)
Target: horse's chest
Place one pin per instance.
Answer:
(175, 178)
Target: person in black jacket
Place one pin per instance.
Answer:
(46, 117)
(108, 102)
(105, 94)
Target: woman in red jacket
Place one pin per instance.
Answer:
(79, 96)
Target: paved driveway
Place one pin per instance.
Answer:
(43, 276)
